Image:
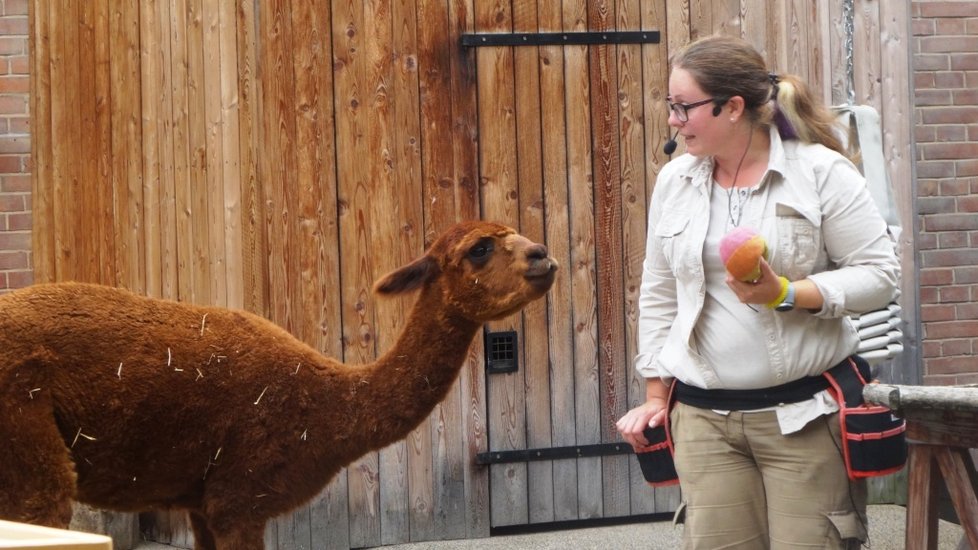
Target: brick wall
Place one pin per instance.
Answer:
(15, 147)
(945, 38)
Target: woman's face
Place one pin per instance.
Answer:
(700, 131)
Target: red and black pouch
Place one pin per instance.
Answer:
(874, 441)
(655, 459)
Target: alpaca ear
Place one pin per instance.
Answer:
(410, 277)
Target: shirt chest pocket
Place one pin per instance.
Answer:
(799, 243)
(672, 232)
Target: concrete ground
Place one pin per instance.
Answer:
(886, 527)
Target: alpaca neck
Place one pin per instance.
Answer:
(412, 377)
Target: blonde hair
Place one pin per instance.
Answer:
(726, 66)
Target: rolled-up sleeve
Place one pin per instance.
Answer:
(864, 271)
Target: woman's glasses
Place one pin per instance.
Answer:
(682, 109)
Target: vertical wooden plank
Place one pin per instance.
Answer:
(633, 160)
(60, 186)
(532, 219)
(126, 147)
(700, 19)
(313, 231)
(897, 115)
(726, 17)
(229, 155)
(42, 199)
(582, 267)
(655, 87)
(165, 137)
(182, 183)
(463, 173)
(500, 193)
(253, 264)
(203, 265)
(754, 21)
(867, 53)
(151, 113)
(77, 254)
(211, 77)
(446, 78)
(603, 75)
(102, 142)
(87, 243)
(553, 132)
(352, 123)
(836, 46)
(404, 464)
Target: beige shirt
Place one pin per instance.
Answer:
(819, 221)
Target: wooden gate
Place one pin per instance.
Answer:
(281, 155)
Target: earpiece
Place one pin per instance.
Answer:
(717, 109)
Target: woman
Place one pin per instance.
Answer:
(757, 469)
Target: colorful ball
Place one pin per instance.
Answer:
(741, 251)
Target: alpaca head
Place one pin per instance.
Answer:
(483, 270)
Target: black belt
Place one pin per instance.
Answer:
(745, 400)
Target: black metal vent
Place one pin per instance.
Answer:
(560, 38)
(501, 352)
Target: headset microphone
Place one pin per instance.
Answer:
(670, 147)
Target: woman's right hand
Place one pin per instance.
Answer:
(652, 413)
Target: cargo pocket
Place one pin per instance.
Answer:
(851, 528)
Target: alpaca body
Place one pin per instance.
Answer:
(131, 403)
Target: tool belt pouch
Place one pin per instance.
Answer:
(655, 459)
(874, 441)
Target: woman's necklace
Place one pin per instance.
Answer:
(743, 195)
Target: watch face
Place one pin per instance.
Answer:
(784, 306)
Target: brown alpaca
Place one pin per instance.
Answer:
(131, 403)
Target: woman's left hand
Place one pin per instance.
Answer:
(763, 290)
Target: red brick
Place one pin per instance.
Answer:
(949, 80)
(935, 205)
(934, 44)
(949, 115)
(15, 240)
(928, 294)
(950, 222)
(22, 65)
(949, 258)
(15, 184)
(949, 26)
(951, 365)
(966, 311)
(966, 275)
(13, 260)
(965, 97)
(953, 294)
(17, 84)
(931, 349)
(15, 7)
(932, 313)
(923, 27)
(11, 203)
(951, 133)
(14, 25)
(936, 277)
(949, 151)
(21, 221)
(953, 239)
(931, 62)
(966, 167)
(20, 279)
(968, 204)
(964, 61)
(960, 346)
(11, 164)
(14, 104)
(929, 98)
(956, 187)
(13, 45)
(15, 144)
(924, 79)
(948, 9)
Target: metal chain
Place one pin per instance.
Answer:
(848, 24)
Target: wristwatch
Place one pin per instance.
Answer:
(788, 303)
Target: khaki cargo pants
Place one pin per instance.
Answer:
(747, 486)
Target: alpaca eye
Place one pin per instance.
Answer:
(481, 251)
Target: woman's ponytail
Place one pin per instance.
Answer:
(809, 119)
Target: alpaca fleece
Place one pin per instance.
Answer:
(131, 403)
